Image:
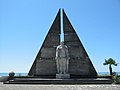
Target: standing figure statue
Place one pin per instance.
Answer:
(62, 58)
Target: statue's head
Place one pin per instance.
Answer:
(62, 43)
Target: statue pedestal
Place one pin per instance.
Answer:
(62, 76)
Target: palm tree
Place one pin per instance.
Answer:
(110, 62)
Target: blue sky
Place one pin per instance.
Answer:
(25, 23)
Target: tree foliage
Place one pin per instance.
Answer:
(110, 61)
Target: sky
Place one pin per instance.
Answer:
(24, 25)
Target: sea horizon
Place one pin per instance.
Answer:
(25, 74)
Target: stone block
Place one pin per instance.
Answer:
(62, 76)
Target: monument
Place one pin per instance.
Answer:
(65, 60)
(58, 62)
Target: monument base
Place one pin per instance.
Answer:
(48, 81)
(62, 76)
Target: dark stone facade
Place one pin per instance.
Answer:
(80, 63)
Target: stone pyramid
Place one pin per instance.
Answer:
(45, 64)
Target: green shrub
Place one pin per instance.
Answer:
(116, 79)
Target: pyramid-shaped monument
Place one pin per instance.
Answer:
(80, 64)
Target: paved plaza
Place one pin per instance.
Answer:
(58, 87)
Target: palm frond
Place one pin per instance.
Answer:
(116, 64)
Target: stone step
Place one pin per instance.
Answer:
(59, 81)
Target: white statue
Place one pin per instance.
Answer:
(62, 58)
